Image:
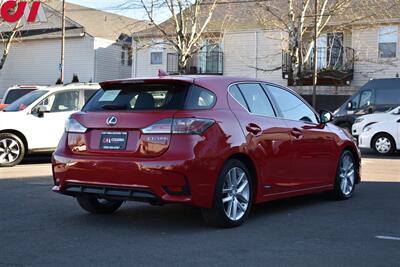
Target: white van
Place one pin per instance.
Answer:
(35, 122)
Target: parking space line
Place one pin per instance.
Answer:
(388, 237)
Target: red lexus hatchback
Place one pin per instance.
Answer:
(218, 143)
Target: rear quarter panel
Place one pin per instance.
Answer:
(213, 148)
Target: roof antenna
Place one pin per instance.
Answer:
(162, 73)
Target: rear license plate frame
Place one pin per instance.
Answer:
(113, 141)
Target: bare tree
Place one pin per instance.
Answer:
(296, 19)
(187, 26)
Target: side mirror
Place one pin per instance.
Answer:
(350, 105)
(326, 116)
(41, 110)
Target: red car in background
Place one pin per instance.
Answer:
(218, 143)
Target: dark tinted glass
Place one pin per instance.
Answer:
(291, 106)
(25, 101)
(387, 96)
(387, 50)
(199, 98)
(16, 94)
(88, 94)
(256, 99)
(234, 90)
(156, 58)
(132, 97)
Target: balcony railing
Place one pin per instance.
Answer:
(335, 66)
(202, 63)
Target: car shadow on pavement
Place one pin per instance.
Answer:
(287, 206)
(369, 154)
(175, 218)
(37, 159)
(375, 156)
(47, 226)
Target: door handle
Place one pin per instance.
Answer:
(297, 133)
(254, 129)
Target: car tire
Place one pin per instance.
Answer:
(12, 150)
(99, 206)
(383, 144)
(233, 196)
(346, 177)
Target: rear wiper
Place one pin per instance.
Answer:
(114, 107)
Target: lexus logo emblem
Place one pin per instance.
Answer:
(112, 121)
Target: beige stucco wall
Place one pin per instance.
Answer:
(248, 53)
(254, 54)
(142, 66)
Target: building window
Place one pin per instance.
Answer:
(388, 42)
(130, 56)
(156, 58)
(123, 56)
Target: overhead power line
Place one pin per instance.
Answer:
(137, 6)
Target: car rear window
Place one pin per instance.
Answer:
(13, 95)
(151, 97)
(25, 101)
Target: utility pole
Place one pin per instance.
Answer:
(62, 63)
(315, 72)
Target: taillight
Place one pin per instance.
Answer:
(191, 126)
(73, 126)
(179, 126)
(161, 127)
(76, 138)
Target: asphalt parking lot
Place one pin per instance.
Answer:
(38, 227)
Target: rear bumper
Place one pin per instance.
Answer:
(117, 193)
(189, 180)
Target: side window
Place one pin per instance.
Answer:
(237, 95)
(199, 98)
(387, 96)
(256, 99)
(355, 101)
(365, 99)
(291, 106)
(62, 102)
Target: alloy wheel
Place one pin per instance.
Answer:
(383, 145)
(347, 175)
(9, 151)
(236, 194)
